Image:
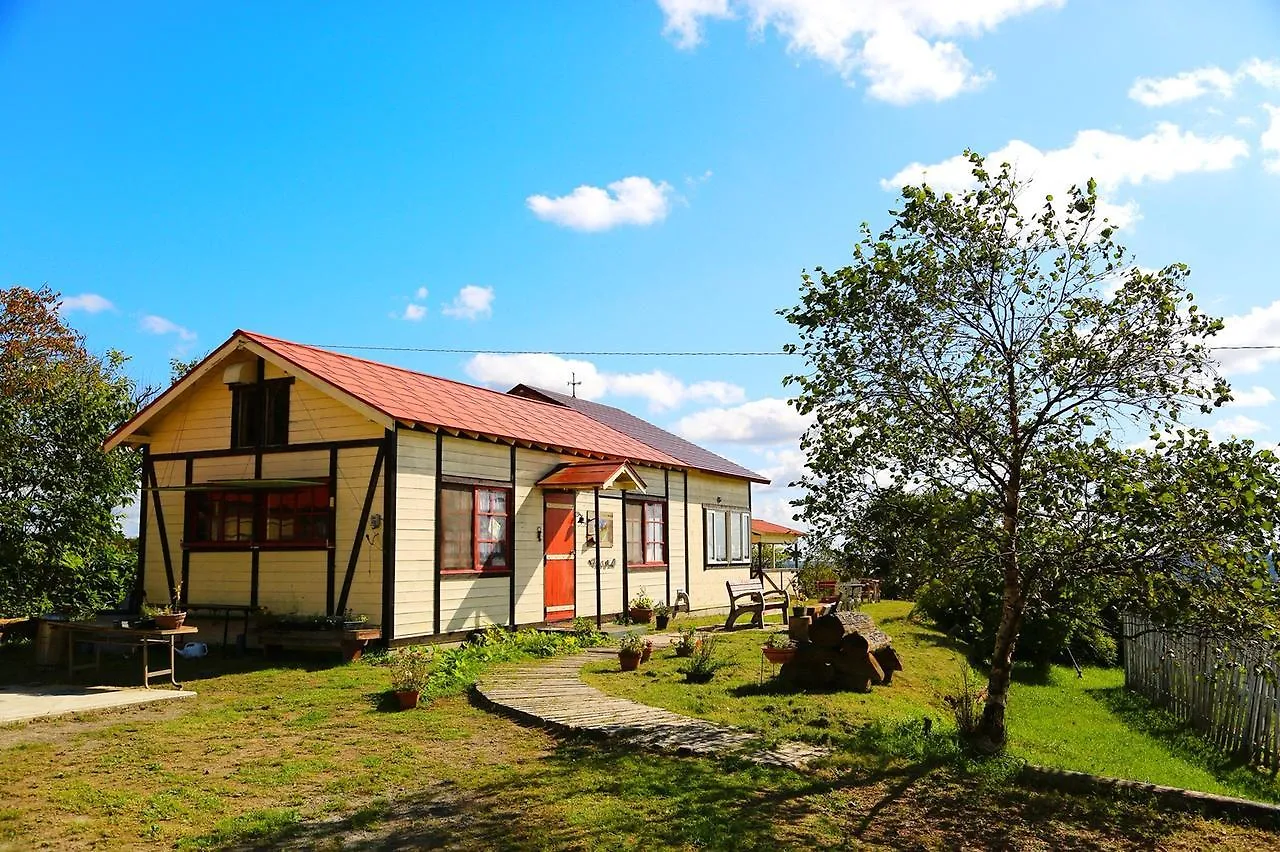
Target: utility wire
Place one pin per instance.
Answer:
(593, 352)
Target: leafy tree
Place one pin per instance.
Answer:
(972, 346)
(60, 540)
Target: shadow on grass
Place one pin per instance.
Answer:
(1182, 740)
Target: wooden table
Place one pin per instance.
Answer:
(142, 637)
(226, 611)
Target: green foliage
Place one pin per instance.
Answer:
(642, 600)
(981, 348)
(704, 663)
(411, 669)
(60, 541)
(630, 643)
(457, 668)
(778, 639)
(687, 642)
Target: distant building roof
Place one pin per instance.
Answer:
(642, 430)
(762, 527)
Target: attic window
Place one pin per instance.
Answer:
(260, 414)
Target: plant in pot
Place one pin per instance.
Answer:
(779, 648)
(662, 615)
(630, 650)
(641, 608)
(686, 644)
(646, 651)
(168, 616)
(410, 669)
(704, 664)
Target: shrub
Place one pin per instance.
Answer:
(703, 665)
(966, 704)
(410, 669)
(457, 668)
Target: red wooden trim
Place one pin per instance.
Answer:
(476, 515)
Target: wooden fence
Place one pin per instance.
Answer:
(1228, 692)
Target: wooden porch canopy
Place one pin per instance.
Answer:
(582, 476)
(240, 484)
(766, 532)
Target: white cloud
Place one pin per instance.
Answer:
(1270, 141)
(421, 294)
(153, 324)
(1160, 91)
(1239, 426)
(902, 49)
(662, 391)
(761, 421)
(1190, 85)
(1111, 159)
(1255, 397)
(414, 312)
(784, 466)
(90, 303)
(630, 201)
(472, 302)
(1259, 327)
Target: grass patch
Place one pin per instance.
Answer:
(1088, 724)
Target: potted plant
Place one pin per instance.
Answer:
(704, 664)
(641, 608)
(686, 644)
(646, 651)
(630, 650)
(409, 671)
(778, 649)
(168, 616)
(662, 615)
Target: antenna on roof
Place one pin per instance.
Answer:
(573, 385)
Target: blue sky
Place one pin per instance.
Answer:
(602, 176)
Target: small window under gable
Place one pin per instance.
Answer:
(260, 414)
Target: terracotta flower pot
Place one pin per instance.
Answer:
(408, 698)
(629, 661)
(170, 621)
(641, 615)
(778, 656)
(646, 652)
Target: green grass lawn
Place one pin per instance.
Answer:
(1088, 724)
(305, 755)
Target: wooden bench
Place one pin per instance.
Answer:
(750, 596)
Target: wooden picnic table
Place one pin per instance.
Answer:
(144, 638)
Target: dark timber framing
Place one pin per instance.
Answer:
(164, 533)
(599, 602)
(140, 584)
(666, 529)
(511, 539)
(267, 451)
(358, 538)
(186, 533)
(388, 537)
(435, 596)
(255, 552)
(331, 559)
(626, 570)
(687, 577)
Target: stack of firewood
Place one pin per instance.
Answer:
(845, 651)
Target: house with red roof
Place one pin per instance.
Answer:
(291, 478)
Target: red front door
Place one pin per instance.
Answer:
(558, 539)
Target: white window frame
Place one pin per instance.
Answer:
(718, 530)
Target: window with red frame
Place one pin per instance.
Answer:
(475, 529)
(646, 533)
(297, 517)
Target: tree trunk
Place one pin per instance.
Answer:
(991, 734)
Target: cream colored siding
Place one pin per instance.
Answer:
(288, 580)
(676, 555)
(531, 465)
(477, 459)
(707, 587)
(415, 534)
(610, 559)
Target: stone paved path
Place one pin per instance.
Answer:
(553, 694)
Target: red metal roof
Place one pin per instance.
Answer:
(760, 527)
(588, 475)
(426, 400)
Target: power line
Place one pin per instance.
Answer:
(635, 354)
